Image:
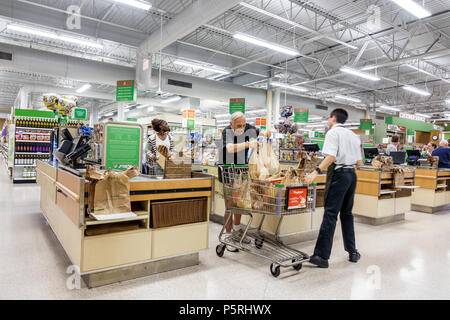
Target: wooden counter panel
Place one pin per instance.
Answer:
(162, 196)
(179, 239)
(70, 181)
(117, 249)
(69, 206)
(47, 169)
(170, 184)
(368, 182)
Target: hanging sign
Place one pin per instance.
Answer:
(126, 91)
(301, 115)
(79, 113)
(261, 123)
(365, 124)
(188, 119)
(411, 116)
(237, 104)
(411, 132)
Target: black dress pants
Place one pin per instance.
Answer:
(339, 199)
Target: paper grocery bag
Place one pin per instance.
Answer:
(111, 191)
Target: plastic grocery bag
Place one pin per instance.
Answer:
(236, 187)
(262, 170)
(253, 164)
(274, 164)
(264, 153)
(245, 201)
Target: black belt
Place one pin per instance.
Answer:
(345, 170)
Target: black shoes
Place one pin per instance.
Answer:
(354, 257)
(318, 261)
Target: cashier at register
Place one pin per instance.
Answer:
(237, 139)
(443, 152)
(392, 147)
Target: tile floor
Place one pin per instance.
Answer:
(405, 260)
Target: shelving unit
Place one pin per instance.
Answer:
(32, 142)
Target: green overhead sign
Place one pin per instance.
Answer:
(237, 105)
(34, 113)
(365, 124)
(79, 114)
(410, 124)
(301, 115)
(126, 91)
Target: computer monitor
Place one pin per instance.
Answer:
(370, 153)
(413, 154)
(398, 157)
(311, 147)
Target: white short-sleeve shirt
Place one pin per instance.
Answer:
(344, 145)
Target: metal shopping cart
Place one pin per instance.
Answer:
(247, 196)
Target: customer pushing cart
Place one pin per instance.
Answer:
(247, 196)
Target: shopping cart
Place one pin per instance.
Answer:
(247, 196)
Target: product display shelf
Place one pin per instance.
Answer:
(377, 201)
(434, 192)
(31, 143)
(121, 249)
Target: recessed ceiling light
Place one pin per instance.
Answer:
(52, 35)
(389, 108)
(360, 74)
(288, 86)
(413, 8)
(136, 4)
(347, 98)
(265, 44)
(416, 90)
(83, 88)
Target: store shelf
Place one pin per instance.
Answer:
(31, 128)
(24, 179)
(33, 153)
(140, 215)
(33, 141)
(25, 165)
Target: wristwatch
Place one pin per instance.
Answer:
(318, 170)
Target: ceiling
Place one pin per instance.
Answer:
(400, 49)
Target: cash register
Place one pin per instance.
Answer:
(413, 157)
(369, 154)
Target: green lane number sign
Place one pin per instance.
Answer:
(126, 91)
(301, 115)
(237, 104)
(365, 124)
(79, 114)
(123, 146)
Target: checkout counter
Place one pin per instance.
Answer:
(377, 201)
(434, 192)
(107, 251)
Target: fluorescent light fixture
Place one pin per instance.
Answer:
(347, 98)
(135, 3)
(83, 88)
(314, 118)
(255, 111)
(389, 108)
(171, 99)
(108, 114)
(52, 35)
(151, 109)
(423, 115)
(418, 91)
(288, 86)
(413, 8)
(265, 44)
(222, 115)
(292, 23)
(360, 74)
(447, 101)
(199, 66)
(142, 106)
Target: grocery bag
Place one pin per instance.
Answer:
(245, 201)
(398, 177)
(111, 191)
(253, 165)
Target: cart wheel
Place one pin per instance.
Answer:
(220, 249)
(297, 267)
(275, 270)
(259, 243)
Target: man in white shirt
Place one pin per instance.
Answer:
(393, 146)
(342, 150)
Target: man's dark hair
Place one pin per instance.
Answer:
(395, 139)
(340, 114)
(434, 145)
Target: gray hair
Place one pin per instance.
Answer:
(443, 143)
(236, 116)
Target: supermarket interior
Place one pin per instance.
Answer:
(207, 149)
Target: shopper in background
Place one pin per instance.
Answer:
(443, 152)
(237, 139)
(430, 148)
(392, 147)
(161, 137)
(342, 153)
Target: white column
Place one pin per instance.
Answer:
(120, 113)
(276, 106)
(93, 119)
(269, 109)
